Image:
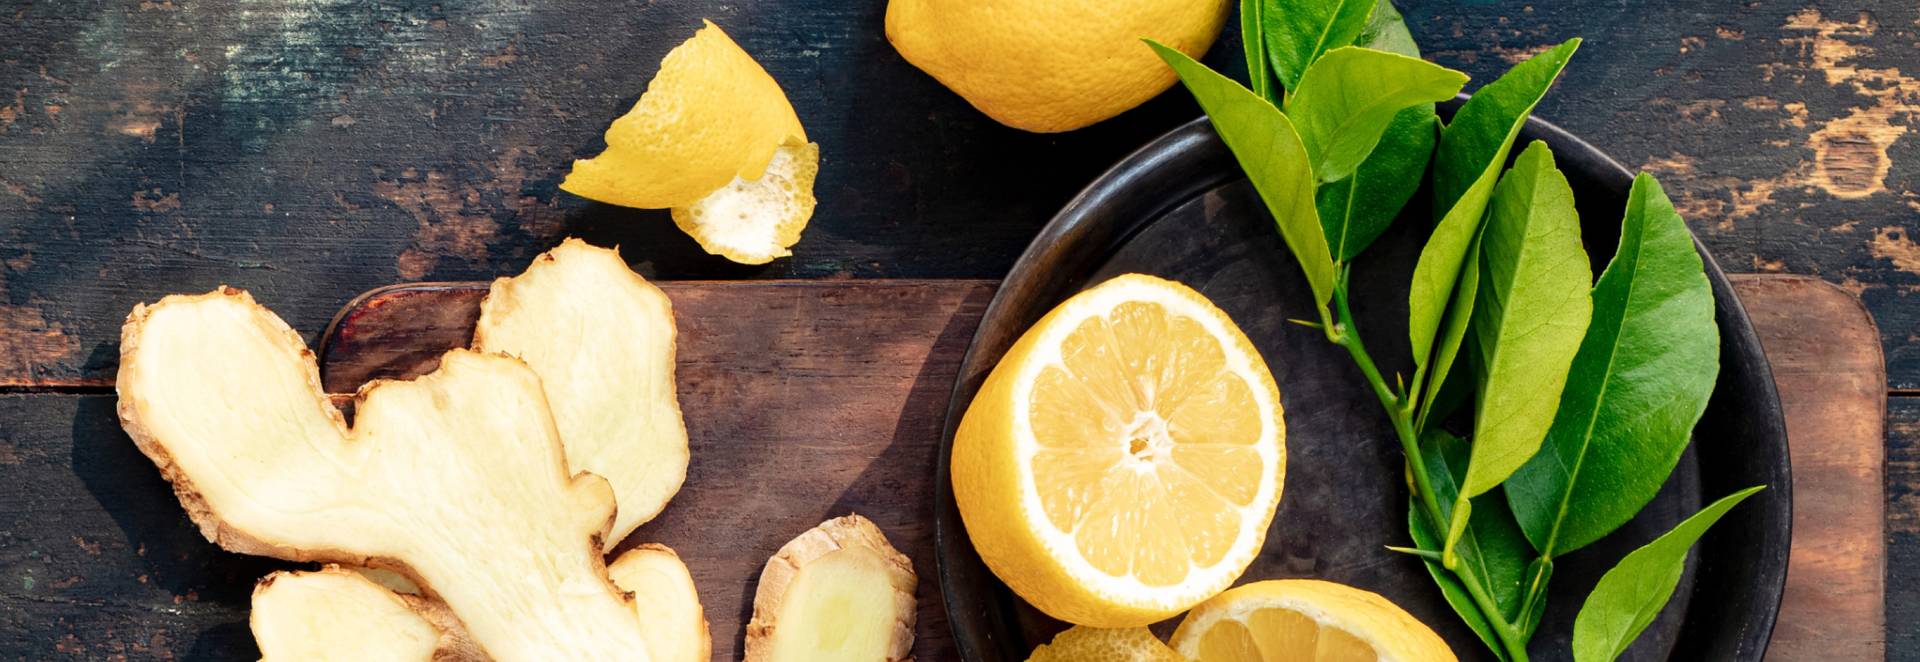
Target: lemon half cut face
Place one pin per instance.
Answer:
(1123, 461)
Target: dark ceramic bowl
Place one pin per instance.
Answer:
(1180, 208)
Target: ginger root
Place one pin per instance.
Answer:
(602, 340)
(341, 614)
(839, 591)
(433, 478)
(664, 597)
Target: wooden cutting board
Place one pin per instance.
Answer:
(811, 399)
(804, 400)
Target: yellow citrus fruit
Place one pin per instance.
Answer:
(754, 221)
(1123, 460)
(1051, 65)
(710, 115)
(1085, 644)
(1308, 620)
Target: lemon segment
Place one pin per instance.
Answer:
(1085, 644)
(755, 221)
(1051, 65)
(1306, 620)
(710, 115)
(1123, 461)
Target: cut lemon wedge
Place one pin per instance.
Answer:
(1085, 644)
(1307, 620)
(755, 221)
(710, 115)
(1123, 460)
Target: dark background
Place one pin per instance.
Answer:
(311, 150)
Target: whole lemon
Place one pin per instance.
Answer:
(1051, 65)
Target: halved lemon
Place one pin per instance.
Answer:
(1123, 460)
(1307, 620)
(1084, 644)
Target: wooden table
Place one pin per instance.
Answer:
(310, 150)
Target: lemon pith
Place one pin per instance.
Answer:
(756, 221)
(711, 114)
(1051, 65)
(1305, 619)
(1123, 461)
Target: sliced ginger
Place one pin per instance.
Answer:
(838, 592)
(435, 476)
(665, 599)
(601, 338)
(339, 614)
(345, 615)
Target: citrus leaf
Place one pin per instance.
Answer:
(1387, 31)
(1348, 97)
(1252, 36)
(1270, 151)
(1637, 386)
(1491, 549)
(1357, 210)
(1472, 150)
(1630, 595)
(1450, 587)
(1297, 32)
(1529, 318)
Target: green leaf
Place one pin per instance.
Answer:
(1300, 31)
(1251, 35)
(1630, 595)
(1472, 149)
(1450, 587)
(1387, 31)
(1348, 97)
(1491, 546)
(1529, 318)
(1357, 210)
(1269, 149)
(1637, 386)
(1453, 333)
(1486, 125)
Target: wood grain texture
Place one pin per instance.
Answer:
(1903, 528)
(1826, 361)
(803, 401)
(847, 379)
(308, 149)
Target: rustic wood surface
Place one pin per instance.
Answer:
(1832, 380)
(312, 149)
(1819, 338)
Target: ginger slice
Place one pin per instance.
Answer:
(340, 614)
(665, 599)
(839, 591)
(457, 477)
(602, 340)
(347, 615)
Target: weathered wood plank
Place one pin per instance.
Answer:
(307, 149)
(1826, 362)
(1903, 528)
(848, 380)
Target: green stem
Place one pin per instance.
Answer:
(1400, 408)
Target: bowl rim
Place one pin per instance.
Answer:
(1185, 162)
